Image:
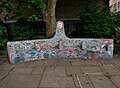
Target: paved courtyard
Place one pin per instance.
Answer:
(61, 73)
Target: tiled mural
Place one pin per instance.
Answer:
(60, 46)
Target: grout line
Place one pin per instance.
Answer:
(41, 77)
(90, 81)
(3, 62)
(6, 75)
(112, 82)
(32, 70)
(115, 66)
(65, 71)
(109, 76)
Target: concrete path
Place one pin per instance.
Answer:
(61, 73)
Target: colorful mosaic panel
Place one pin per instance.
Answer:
(60, 46)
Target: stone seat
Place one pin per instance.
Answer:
(60, 46)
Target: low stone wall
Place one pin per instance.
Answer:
(60, 46)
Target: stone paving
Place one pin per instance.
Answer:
(61, 73)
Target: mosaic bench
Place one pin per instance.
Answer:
(60, 46)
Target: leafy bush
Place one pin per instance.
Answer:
(3, 37)
(117, 48)
(116, 36)
(97, 22)
(24, 30)
(116, 32)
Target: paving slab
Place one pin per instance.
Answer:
(116, 63)
(75, 80)
(38, 71)
(63, 62)
(3, 74)
(110, 70)
(81, 62)
(72, 70)
(78, 62)
(6, 67)
(21, 71)
(93, 63)
(106, 63)
(15, 87)
(101, 81)
(84, 82)
(22, 65)
(50, 62)
(36, 64)
(55, 82)
(91, 70)
(116, 80)
(59, 73)
(21, 81)
(55, 71)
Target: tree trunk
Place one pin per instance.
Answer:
(49, 17)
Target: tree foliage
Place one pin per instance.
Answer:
(96, 21)
(42, 9)
(15, 9)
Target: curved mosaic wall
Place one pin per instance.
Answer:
(60, 46)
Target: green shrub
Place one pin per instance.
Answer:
(24, 30)
(116, 48)
(97, 22)
(116, 36)
(3, 37)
